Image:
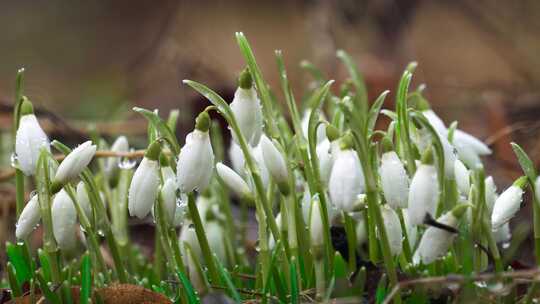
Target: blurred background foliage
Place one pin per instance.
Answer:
(89, 62)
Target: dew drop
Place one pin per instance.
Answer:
(506, 245)
(14, 160)
(127, 163)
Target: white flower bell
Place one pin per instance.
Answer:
(347, 178)
(237, 158)
(74, 163)
(233, 181)
(462, 178)
(168, 195)
(84, 200)
(508, 203)
(315, 225)
(196, 160)
(424, 190)
(436, 241)
(28, 219)
(64, 223)
(145, 182)
(394, 179)
(275, 163)
(393, 229)
(29, 140)
(120, 145)
(247, 110)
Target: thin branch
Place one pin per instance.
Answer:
(531, 274)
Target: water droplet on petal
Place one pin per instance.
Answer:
(14, 161)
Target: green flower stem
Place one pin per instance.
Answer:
(264, 253)
(320, 277)
(45, 204)
(203, 241)
(351, 241)
(90, 234)
(227, 113)
(407, 251)
(176, 251)
(162, 233)
(19, 176)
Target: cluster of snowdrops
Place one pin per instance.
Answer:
(402, 194)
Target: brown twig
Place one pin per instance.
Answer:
(6, 174)
(531, 274)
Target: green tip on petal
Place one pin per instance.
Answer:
(153, 151)
(427, 157)
(332, 133)
(56, 186)
(244, 80)
(202, 123)
(521, 182)
(26, 107)
(347, 141)
(422, 104)
(459, 210)
(163, 160)
(387, 144)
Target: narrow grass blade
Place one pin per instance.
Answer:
(294, 283)
(86, 279)
(17, 258)
(190, 292)
(161, 126)
(225, 277)
(13, 282)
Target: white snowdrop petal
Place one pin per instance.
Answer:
(502, 234)
(435, 242)
(215, 235)
(423, 194)
(467, 154)
(64, 222)
(394, 180)
(462, 178)
(29, 140)
(247, 110)
(325, 160)
(274, 161)
(506, 206)
(28, 219)
(189, 236)
(168, 193)
(449, 157)
(393, 229)
(346, 180)
(75, 162)
(111, 163)
(143, 189)
(436, 122)
(412, 230)
(315, 225)
(237, 158)
(361, 231)
(233, 181)
(168, 173)
(195, 162)
(84, 200)
(321, 129)
(477, 145)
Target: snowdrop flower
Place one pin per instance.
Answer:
(393, 229)
(145, 182)
(111, 163)
(189, 236)
(412, 231)
(508, 203)
(449, 157)
(233, 181)
(477, 145)
(467, 154)
(346, 179)
(215, 234)
(259, 159)
(74, 163)
(326, 161)
(64, 222)
(237, 158)
(424, 191)
(394, 179)
(84, 200)
(502, 234)
(435, 242)
(315, 225)
(28, 219)
(196, 160)
(275, 163)
(462, 178)
(168, 195)
(436, 122)
(29, 140)
(247, 110)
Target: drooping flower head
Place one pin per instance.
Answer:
(74, 163)
(196, 160)
(29, 140)
(247, 110)
(64, 222)
(424, 190)
(144, 185)
(394, 179)
(508, 203)
(275, 163)
(28, 219)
